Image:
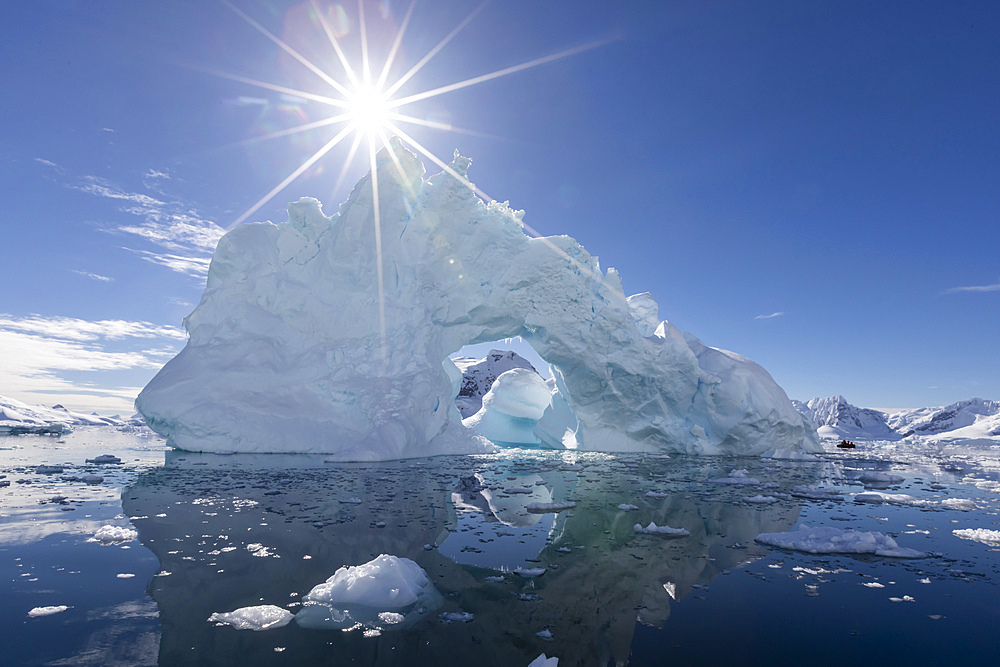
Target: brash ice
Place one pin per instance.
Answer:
(302, 342)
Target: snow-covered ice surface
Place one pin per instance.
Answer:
(467, 523)
(311, 336)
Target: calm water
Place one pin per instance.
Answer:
(216, 533)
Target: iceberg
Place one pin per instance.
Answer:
(332, 334)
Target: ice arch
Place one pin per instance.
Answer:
(302, 342)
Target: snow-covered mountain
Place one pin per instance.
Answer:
(478, 375)
(835, 417)
(18, 418)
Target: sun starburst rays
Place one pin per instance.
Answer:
(371, 111)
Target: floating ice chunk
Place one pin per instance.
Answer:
(737, 477)
(356, 596)
(656, 494)
(105, 458)
(625, 507)
(958, 504)
(260, 551)
(905, 598)
(114, 535)
(494, 579)
(877, 498)
(391, 617)
(456, 617)
(543, 661)
(873, 584)
(260, 617)
(529, 572)
(984, 535)
(91, 479)
(761, 500)
(518, 489)
(829, 540)
(545, 508)
(788, 455)
(665, 531)
(544, 634)
(48, 470)
(47, 611)
(350, 501)
(124, 575)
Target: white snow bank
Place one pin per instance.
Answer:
(357, 595)
(47, 611)
(664, 531)
(828, 540)
(260, 617)
(984, 535)
(114, 535)
(313, 336)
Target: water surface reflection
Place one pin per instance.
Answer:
(237, 531)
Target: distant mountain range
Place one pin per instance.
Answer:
(17, 418)
(834, 417)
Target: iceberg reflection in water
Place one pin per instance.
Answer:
(244, 530)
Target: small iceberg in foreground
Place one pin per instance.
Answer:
(387, 592)
(829, 540)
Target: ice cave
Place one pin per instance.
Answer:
(333, 334)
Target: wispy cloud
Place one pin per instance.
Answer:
(47, 163)
(93, 276)
(185, 238)
(995, 287)
(768, 317)
(80, 360)
(71, 328)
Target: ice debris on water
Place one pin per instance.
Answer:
(828, 540)
(544, 661)
(737, 477)
(984, 535)
(105, 458)
(257, 618)
(529, 572)
(47, 611)
(625, 507)
(760, 500)
(814, 492)
(665, 531)
(544, 634)
(656, 494)
(114, 535)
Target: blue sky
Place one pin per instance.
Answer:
(813, 185)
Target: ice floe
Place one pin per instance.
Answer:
(355, 596)
(47, 611)
(114, 535)
(829, 540)
(664, 531)
(984, 535)
(257, 618)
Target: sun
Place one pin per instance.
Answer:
(368, 108)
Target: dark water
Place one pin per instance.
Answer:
(218, 533)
